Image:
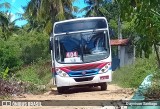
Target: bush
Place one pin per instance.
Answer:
(9, 55)
(5, 74)
(23, 49)
(38, 73)
(154, 91)
(132, 75)
(37, 47)
(33, 47)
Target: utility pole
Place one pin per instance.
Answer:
(120, 37)
(119, 27)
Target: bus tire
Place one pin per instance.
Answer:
(103, 86)
(61, 89)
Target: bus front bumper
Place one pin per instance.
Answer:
(86, 80)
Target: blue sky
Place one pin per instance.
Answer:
(80, 4)
(16, 7)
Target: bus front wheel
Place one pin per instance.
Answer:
(103, 86)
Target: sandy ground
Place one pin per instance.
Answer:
(112, 93)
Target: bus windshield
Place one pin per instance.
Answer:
(81, 47)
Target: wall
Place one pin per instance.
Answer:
(126, 55)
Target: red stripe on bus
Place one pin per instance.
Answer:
(102, 65)
(65, 69)
(86, 66)
(82, 67)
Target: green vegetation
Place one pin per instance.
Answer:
(131, 76)
(24, 58)
(4, 75)
(146, 14)
(41, 14)
(37, 73)
(24, 51)
(153, 91)
(36, 76)
(147, 19)
(110, 10)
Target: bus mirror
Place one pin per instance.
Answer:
(51, 44)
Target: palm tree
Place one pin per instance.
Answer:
(42, 14)
(11, 27)
(6, 26)
(95, 8)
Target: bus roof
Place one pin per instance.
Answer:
(80, 24)
(76, 19)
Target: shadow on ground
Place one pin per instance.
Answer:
(76, 90)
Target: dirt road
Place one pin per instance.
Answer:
(113, 93)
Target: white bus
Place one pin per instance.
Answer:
(81, 53)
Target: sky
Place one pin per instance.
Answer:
(16, 7)
(80, 4)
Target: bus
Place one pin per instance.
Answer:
(81, 53)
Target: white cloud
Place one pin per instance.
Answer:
(21, 10)
(13, 1)
(13, 17)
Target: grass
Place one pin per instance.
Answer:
(37, 73)
(36, 76)
(131, 76)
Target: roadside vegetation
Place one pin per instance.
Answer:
(131, 76)
(154, 91)
(24, 51)
(37, 73)
(25, 61)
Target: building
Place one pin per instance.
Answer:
(122, 53)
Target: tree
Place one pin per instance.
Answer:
(7, 26)
(110, 10)
(95, 8)
(41, 14)
(147, 23)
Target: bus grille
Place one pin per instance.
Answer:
(81, 74)
(83, 79)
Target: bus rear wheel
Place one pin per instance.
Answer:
(103, 86)
(61, 89)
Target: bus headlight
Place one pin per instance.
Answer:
(104, 69)
(61, 73)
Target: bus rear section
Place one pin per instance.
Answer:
(81, 53)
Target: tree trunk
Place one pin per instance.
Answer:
(157, 54)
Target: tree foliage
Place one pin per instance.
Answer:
(29, 43)
(7, 27)
(110, 10)
(41, 14)
(147, 22)
(95, 8)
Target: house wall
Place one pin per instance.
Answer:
(122, 56)
(129, 54)
(126, 55)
